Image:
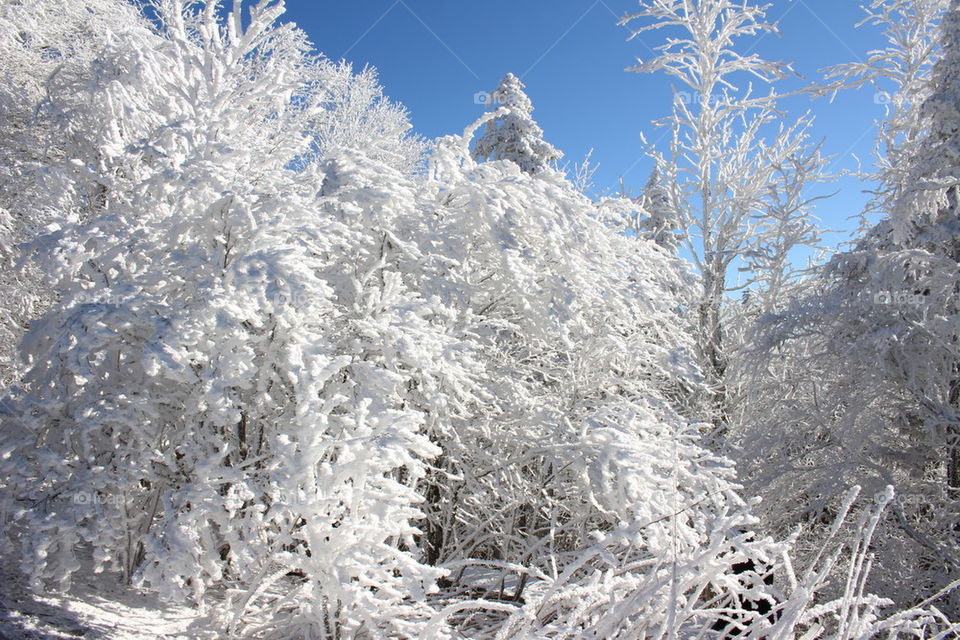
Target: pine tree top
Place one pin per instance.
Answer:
(514, 135)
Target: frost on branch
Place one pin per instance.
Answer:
(217, 400)
(315, 393)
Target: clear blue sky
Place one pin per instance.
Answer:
(435, 55)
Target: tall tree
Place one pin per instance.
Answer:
(925, 216)
(590, 372)
(719, 162)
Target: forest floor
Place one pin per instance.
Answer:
(92, 612)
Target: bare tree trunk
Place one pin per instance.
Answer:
(714, 359)
(953, 433)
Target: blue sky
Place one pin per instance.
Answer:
(434, 56)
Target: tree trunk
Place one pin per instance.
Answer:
(953, 433)
(714, 361)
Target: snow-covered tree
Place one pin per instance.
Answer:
(900, 74)
(513, 134)
(584, 473)
(276, 373)
(721, 162)
(218, 398)
(42, 40)
(355, 115)
(867, 388)
(776, 276)
(581, 174)
(287, 373)
(279, 374)
(927, 217)
(661, 221)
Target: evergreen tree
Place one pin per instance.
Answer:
(662, 223)
(513, 134)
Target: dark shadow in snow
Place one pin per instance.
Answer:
(23, 616)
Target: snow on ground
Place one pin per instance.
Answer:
(91, 612)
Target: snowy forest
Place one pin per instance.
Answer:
(274, 366)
